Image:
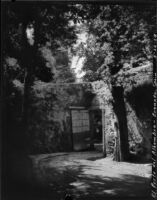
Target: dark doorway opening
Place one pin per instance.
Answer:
(97, 126)
(96, 129)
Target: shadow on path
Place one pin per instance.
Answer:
(53, 178)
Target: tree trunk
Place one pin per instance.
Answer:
(117, 152)
(27, 61)
(122, 146)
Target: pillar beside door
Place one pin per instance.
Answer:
(103, 132)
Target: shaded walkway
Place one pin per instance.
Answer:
(87, 175)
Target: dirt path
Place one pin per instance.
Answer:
(86, 175)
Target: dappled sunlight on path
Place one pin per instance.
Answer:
(83, 177)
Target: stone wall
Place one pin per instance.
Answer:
(139, 105)
(49, 122)
(104, 101)
(138, 91)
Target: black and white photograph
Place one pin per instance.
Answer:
(77, 100)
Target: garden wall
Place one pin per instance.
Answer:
(49, 121)
(50, 124)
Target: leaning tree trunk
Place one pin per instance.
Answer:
(27, 61)
(121, 145)
(19, 165)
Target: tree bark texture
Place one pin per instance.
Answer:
(122, 146)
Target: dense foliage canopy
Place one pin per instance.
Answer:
(119, 37)
(38, 44)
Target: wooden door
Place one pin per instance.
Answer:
(80, 129)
